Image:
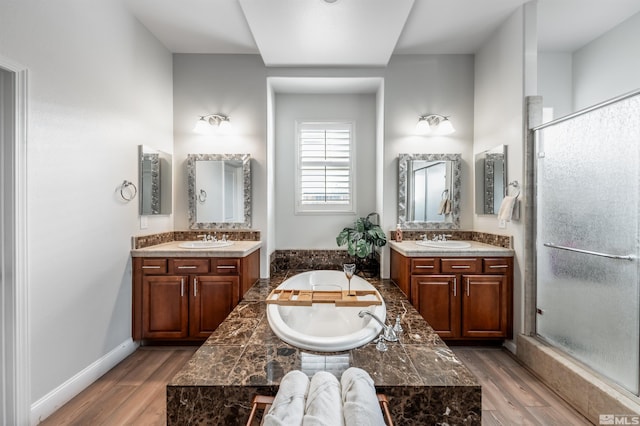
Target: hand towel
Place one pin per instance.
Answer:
(324, 403)
(506, 208)
(447, 207)
(361, 406)
(288, 405)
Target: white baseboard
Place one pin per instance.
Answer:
(55, 399)
(510, 345)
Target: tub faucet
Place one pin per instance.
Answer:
(388, 333)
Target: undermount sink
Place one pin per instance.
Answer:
(204, 244)
(445, 244)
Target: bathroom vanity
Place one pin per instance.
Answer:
(464, 294)
(184, 294)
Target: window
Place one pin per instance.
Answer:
(325, 175)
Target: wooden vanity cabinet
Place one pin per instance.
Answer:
(462, 298)
(187, 298)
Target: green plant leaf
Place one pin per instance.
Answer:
(343, 237)
(363, 248)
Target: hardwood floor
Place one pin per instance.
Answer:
(133, 393)
(511, 395)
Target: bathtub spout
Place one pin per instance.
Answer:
(388, 333)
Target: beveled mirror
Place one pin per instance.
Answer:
(491, 179)
(155, 181)
(429, 191)
(219, 191)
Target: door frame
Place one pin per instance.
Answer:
(15, 391)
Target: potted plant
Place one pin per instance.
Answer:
(361, 240)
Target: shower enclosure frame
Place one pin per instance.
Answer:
(532, 125)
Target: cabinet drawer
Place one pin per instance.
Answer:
(154, 266)
(496, 265)
(224, 266)
(461, 265)
(425, 266)
(190, 266)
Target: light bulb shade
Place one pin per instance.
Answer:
(224, 126)
(445, 127)
(423, 127)
(202, 126)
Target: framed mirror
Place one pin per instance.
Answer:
(219, 191)
(491, 179)
(429, 191)
(155, 181)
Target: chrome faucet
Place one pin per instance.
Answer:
(388, 333)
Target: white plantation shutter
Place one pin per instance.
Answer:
(325, 167)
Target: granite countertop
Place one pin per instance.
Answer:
(411, 249)
(421, 375)
(173, 249)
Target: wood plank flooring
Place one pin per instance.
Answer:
(511, 395)
(133, 393)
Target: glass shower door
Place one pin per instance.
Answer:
(588, 186)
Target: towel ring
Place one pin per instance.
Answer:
(202, 197)
(516, 185)
(126, 187)
(445, 194)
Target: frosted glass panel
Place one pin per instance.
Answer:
(588, 185)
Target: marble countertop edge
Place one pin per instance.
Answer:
(173, 249)
(411, 249)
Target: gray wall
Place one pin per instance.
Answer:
(416, 85)
(99, 84)
(499, 94)
(299, 231)
(236, 85)
(607, 67)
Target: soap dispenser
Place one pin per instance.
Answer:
(398, 233)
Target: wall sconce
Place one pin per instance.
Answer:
(434, 124)
(206, 124)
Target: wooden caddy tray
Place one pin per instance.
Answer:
(308, 297)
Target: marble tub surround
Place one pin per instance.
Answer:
(411, 249)
(173, 249)
(424, 381)
(584, 389)
(505, 241)
(143, 241)
(285, 260)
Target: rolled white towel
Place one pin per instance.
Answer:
(360, 402)
(288, 406)
(324, 403)
(506, 208)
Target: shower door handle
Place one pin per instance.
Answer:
(592, 253)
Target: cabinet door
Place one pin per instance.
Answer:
(484, 306)
(437, 299)
(165, 307)
(212, 298)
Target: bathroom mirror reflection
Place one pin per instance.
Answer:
(491, 179)
(219, 190)
(155, 181)
(429, 191)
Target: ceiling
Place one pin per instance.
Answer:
(364, 32)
